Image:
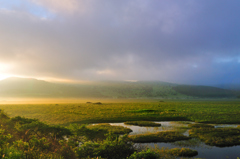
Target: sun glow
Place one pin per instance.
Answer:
(3, 76)
(59, 80)
(4, 70)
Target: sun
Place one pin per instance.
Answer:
(5, 70)
(4, 76)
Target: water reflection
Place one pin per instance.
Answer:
(205, 151)
(165, 126)
(225, 126)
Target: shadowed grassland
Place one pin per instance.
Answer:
(129, 110)
(204, 91)
(220, 137)
(168, 136)
(143, 123)
(142, 111)
(194, 142)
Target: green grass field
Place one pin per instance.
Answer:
(129, 110)
(30, 138)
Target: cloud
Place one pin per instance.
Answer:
(184, 42)
(68, 6)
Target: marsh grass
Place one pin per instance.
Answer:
(194, 142)
(167, 136)
(142, 123)
(97, 131)
(200, 126)
(183, 152)
(166, 153)
(222, 112)
(109, 128)
(220, 137)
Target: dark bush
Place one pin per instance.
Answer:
(148, 154)
(113, 147)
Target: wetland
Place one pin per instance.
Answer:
(205, 149)
(130, 128)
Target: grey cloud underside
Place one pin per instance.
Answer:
(144, 40)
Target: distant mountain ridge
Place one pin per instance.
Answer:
(233, 86)
(204, 91)
(29, 87)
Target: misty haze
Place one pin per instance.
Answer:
(119, 79)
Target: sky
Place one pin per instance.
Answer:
(179, 41)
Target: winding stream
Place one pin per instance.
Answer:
(204, 151)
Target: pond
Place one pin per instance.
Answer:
(165, 126)
(204, 151)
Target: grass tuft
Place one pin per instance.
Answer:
(109, 128)
(183, 152)
(220, 137)
(168, 136)
(200, 126)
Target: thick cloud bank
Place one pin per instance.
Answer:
(186, 41)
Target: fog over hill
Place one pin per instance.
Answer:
(29, 87)
(232, 86)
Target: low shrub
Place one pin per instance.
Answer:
(148, 154)
(113, 147)
(98, 131)
(98, 103)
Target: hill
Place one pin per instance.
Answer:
(27, 87)
(231, 86)
(205, 91)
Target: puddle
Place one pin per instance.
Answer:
(225, 125)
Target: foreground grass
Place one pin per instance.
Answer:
(168, 136)
(98, 131)
(24, 138)
(129, 110)
(142, 123)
